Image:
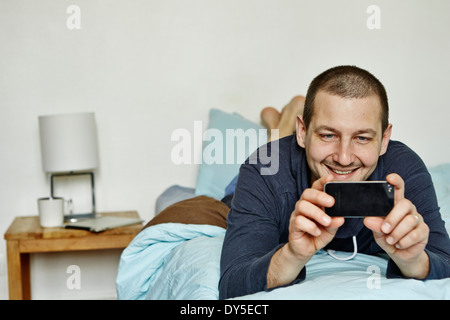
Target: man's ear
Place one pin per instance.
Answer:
(301, 131)
(385, 140)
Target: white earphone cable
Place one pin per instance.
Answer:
(355, 251)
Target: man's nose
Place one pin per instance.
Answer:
(344, 153)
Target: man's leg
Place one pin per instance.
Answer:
(285, 120)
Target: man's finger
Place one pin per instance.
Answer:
(309, 209)
(399, 185)
(319, 184)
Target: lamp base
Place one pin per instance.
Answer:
(72, 217)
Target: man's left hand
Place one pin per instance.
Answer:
(403, 234)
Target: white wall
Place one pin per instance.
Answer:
(147, 67)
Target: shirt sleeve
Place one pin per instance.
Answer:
(252, 236)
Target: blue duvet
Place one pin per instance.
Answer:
(171, 261)
(178, 261)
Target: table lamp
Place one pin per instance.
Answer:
(69, 147)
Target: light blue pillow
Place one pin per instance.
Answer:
(228, 141)
(441, 180)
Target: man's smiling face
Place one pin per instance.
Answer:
(344, 138)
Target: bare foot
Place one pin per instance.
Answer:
(270, 117)
(289, 115)
(285, 121)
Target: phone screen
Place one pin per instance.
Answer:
(360, 199)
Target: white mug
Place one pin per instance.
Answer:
(51, 212)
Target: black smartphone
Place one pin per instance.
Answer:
(360, 199)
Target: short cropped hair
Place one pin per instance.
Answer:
(346, 82)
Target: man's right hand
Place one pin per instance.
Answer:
(310, 229)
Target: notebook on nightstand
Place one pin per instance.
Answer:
(102, 223)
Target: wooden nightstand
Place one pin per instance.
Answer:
(25, 236)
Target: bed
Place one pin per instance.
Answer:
(177, 255)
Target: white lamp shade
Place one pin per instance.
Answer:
(68, 142)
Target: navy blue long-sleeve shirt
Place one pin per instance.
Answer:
(258, 222)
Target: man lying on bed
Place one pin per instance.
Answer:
(277, 222)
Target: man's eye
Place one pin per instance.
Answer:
(328, 136)
(362, 139)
